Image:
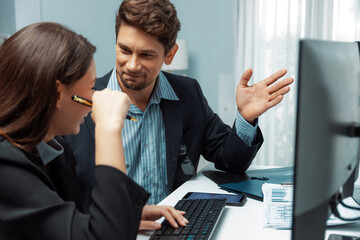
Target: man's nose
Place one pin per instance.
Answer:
(134, 63)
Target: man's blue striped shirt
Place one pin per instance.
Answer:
(144, 140)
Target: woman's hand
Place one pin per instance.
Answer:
(110, 108)
(108, 112)
(150, 213)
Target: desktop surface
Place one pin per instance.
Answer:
(240, 222)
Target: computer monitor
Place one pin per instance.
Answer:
(326, 155)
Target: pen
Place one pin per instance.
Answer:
(260, 178)
(89, 104)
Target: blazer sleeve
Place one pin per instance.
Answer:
(30, 206)
(221, 143)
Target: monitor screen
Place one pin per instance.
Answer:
(326, 156)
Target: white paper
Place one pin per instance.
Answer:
(278, 204)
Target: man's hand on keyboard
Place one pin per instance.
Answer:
(151, 213)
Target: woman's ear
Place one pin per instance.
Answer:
(60, 93)
(171, 54)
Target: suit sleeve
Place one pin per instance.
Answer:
(222, 145)
(28, 205)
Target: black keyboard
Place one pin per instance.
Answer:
(203, 215)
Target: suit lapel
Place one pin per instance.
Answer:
(91, 126)
(172, 115)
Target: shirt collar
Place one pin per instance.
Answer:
(49, 151)
(163, 89)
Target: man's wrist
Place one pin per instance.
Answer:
(245, 130)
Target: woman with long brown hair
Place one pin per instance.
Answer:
(41, 67)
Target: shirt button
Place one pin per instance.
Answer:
(147, 174)
(146, 146)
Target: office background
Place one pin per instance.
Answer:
(223, 38)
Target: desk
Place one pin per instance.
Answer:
(244, 222)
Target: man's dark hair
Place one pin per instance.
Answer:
(156, 17)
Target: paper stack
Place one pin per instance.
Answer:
(278, 202)
(278, 205)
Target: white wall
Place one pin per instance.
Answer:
(26, 12)
(94, 19)
(209, 28)
(7, 17)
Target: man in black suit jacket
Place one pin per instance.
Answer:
(144, 43)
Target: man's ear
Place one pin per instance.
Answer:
(171, 54)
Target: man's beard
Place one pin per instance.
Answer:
(139, 87)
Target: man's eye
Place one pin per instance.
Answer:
(125, 50)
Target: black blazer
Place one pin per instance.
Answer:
(189, 121)
(38, 202)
